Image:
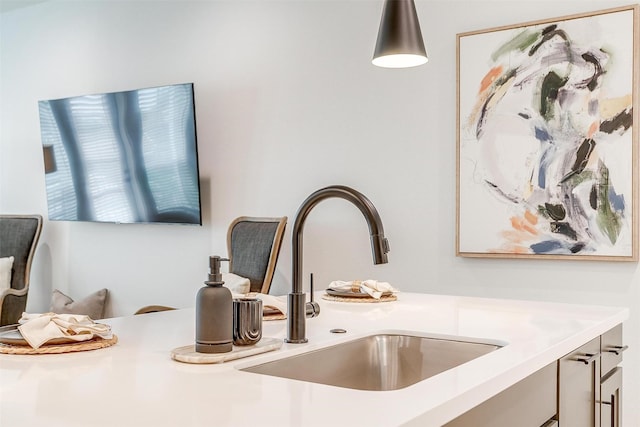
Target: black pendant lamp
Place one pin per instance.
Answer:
(400, 43)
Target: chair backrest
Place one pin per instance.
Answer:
(19, 235)
(253, 245)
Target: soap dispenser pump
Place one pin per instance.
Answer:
(214, 313)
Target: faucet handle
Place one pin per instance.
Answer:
(311, 286)
(312, 308)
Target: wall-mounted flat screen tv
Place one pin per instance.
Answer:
(122, 157)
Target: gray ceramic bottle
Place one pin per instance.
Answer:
(214, 313)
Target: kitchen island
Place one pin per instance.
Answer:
(136, 383)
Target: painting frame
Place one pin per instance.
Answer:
(547, 138)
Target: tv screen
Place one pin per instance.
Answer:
(122, 157)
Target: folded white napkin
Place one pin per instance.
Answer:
(372, 287)
(271, 301)
(37, 328)
(236, 284)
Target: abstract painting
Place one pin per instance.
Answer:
(546, 138)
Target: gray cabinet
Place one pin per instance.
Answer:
(612, 349)
(579, 387)
(590, 383)
(611, 378)
(582, 389)
(611, 395)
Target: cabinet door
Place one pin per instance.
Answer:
(611, 395)
(579, 387)
(612, 349)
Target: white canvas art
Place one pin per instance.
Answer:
(547, 137)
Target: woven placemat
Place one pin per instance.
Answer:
(384, 298)
(93, 344)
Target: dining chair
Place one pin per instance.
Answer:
(253, 247)
(19, 235)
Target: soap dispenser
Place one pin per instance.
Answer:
(214, 313)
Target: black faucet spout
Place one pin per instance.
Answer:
(380, 246)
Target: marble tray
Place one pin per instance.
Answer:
(188, 354)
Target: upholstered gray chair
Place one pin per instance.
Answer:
(253, 246)
(19, 235)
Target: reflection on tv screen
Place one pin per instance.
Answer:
(123, 157)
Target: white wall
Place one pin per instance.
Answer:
(287, 102)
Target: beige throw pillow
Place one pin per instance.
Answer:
(92, 305)
(6, 264)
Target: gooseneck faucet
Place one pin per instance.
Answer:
(297, 307)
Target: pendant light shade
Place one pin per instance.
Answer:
(400, 43)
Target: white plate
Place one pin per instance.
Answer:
(14, 337)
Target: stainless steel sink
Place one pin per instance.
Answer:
(377, 362)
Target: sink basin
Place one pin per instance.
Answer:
(378, 362)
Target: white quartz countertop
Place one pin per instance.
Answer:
(136, 383)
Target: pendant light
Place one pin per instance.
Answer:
(400, 43)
